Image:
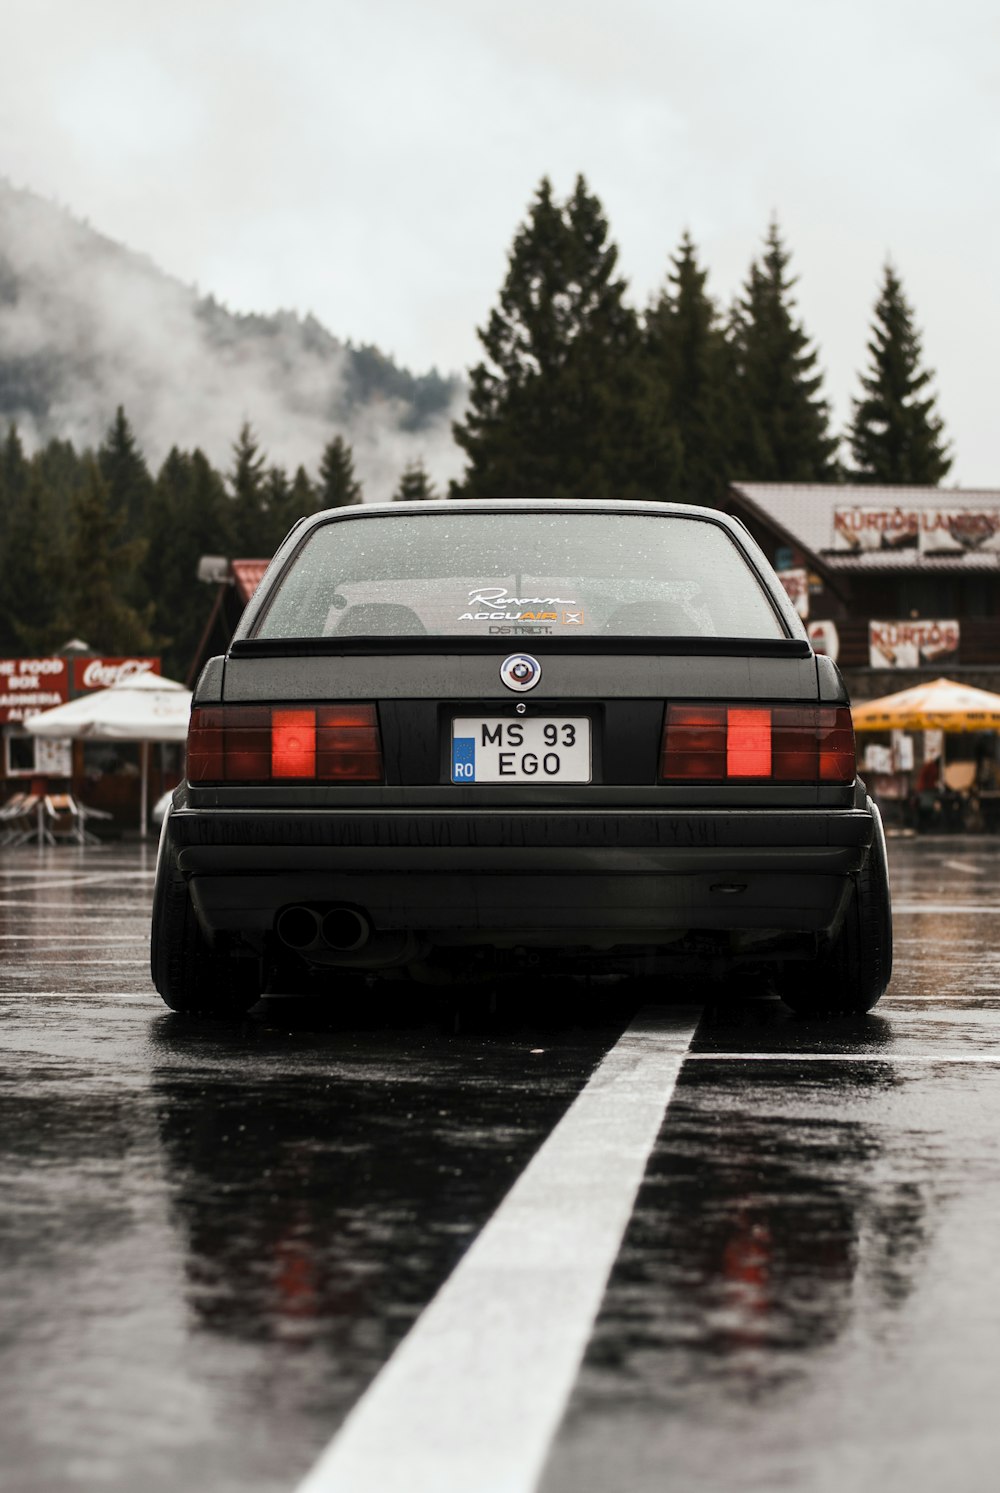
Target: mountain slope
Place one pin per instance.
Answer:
(86, 325)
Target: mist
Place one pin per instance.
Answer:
(86, 325)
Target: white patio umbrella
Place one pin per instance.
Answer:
(143, 707)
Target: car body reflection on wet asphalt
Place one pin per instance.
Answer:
(219, 1242)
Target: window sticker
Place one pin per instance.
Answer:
(519, 630)
(496, 604)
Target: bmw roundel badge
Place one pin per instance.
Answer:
(520, 672)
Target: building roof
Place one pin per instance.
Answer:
(247, 576)
(803, 512)
(885, 562)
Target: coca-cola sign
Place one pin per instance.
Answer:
(102, 673)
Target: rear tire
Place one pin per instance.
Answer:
(191, 976)
(852, 975)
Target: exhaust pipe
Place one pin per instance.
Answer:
(345, 929)
(298, 927)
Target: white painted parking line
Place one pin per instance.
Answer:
(24, 883)
(473, 1396)
(103, 996)
(121, 962)
(39, 940)
(843, 1057)
(105, 908)
(968, 868)
(903, 909)
(106, 872)
(82, 995)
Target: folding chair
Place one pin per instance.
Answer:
(10, 813)
(65, 821)
(86, 811)
(29, 823)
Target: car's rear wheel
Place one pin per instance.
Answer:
(188, 973)
(852, 975)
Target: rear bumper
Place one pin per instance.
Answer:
(528, 875)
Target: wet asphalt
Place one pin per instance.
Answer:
(213, 1237)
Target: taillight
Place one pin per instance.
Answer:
(779, 744)
(694, 743)
(284, 744)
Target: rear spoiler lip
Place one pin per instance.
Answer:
(333, 647)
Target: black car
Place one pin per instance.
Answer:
(453, 740)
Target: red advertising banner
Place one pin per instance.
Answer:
(908, 645)
(102, 673)
(28, 685)
(927, 531)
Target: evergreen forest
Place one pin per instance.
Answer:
(577, 394)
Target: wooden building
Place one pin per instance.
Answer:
(909, 577)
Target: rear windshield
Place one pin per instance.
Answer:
(520, 575)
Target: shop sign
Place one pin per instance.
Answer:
(54, 756)
(796, 583)
(825, 638)
(925, 531)
(877, 758)
(102, 673)
(28, 685)
(907, 645)
(902, 751)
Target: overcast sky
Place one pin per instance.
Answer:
(370, 160)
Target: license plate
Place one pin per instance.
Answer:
(497, 749)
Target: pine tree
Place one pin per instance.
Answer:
(304, 495)
(249, 528)
(63, 473)
(187, 519)
(101, 562)
(125, 473)
(415, 485)
(13, 485)
(338, 486)
(896, 436)
(13, 465)
(277, 507)
(563, 404)
(34, 570)
(687, 348)
(780, 419)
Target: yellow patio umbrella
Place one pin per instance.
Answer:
(941, 705)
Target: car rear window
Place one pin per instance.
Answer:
(520, 575)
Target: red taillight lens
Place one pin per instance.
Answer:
(748, 744)
(838, 761)
(795, 744)
(293, 743)
(261, 744)
(783, 744)
(694, 743)
(205, 761)
(247, 744)
(347, 743)
(814, 744)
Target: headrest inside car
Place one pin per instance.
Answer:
(381, 618)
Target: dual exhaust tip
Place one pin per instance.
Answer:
(341, 928)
